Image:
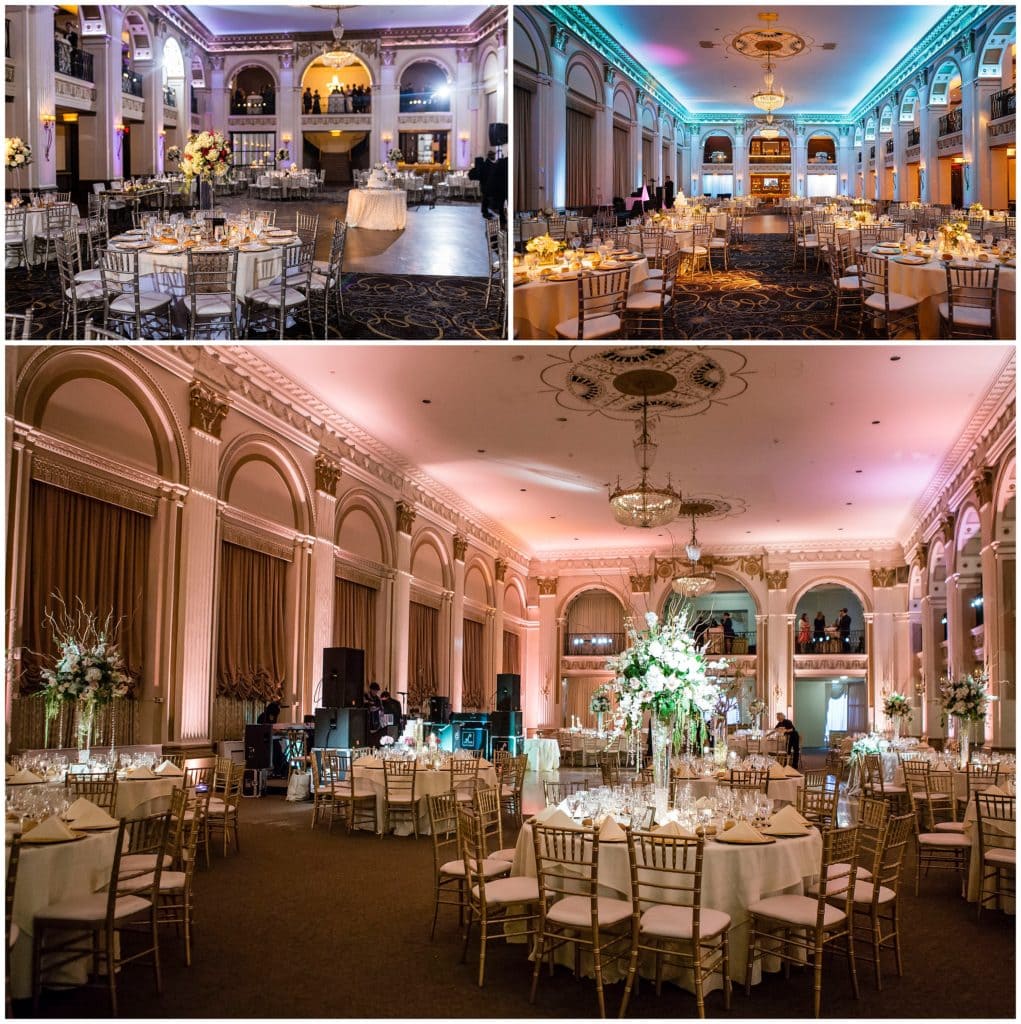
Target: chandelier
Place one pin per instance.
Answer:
(769, 132)
(332, 55)
(769, 99)
(694, 579)
(644, 503)
(338, 59)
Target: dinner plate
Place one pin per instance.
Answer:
(570, 275)
(609, 265)
(630, 259)
(167, 250)
(744, 842)
(801, 834)
(278, 231)
(254, 247)
(134, 245)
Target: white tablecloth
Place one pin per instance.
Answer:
(429, 782)
(254, 268)
(543, 755)
(733, 877)
(540, 305)
(378, 209)
(47, 874)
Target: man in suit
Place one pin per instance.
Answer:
(668, 193)
(392, 708)
(728, 634)
(374, 703)
(844, 629)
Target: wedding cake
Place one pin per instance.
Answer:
(377, 179)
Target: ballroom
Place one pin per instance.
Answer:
(340, 169)
(805, 172)
(350, 640)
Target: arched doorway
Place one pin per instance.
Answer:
(337, 84)
(593, 630)
(425, 88)
(822, 153)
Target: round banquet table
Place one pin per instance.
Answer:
(377, 209)
(540, 305)
(543, 755)
(428, 782)
(960, 779)
(733, 877)
(46, 874)
(135, 797)
(781, 788)
(536, 226)
(928, 282)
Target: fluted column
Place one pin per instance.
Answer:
(958, 638)
(34, 115)
(100, 150)
(549, 653)
(219, 98)
(845, 162)
(932, 661)
(461, 108)
(385, 109)
(741, 182)
(602, 167)
(456, 634)
(145, 138)
(928, 134)
(799, 161)
(401, 599)
(323, 571)
(288, 109)
(978, 181)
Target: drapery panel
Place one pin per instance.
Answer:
(595, 612)
(354, 621)
(251, 648)
(473, 665)
(89, 550)
(579, 693)
(857, 708)
(522, 147)
(621, 163)
(648, 169)
(579, 158)
(423, 652)
(511, 652)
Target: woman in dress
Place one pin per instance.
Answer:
(804, 633)
(819, 628)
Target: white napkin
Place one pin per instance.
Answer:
(9, 769)
(683, 772)
(141, 772)
(85, 814)
(23, 776)
(51, 828)
(995, 791)
(555, 818)
(742, 832)
(704, 801)
(169, 768)
(674, 828)
(787, 819)
(791, 773)
(610, 831)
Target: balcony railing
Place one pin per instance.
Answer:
(74, 63)
(169, 96)
(715, 641)
(131, 83)
(889, 145)
(915, 137)
(952, 122)
(779, 158)
(851, 643)
(1001, 104)
(587, 645)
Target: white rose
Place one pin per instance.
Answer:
(651, 618)
(93, 675)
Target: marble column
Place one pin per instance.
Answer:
(741, 181)
(288, 109)
(978, 181)
(501, 84)
(463, 148)
(845, 162)
(554, 116)
(219, 98)
(799, 162)
(932, 661)
(455, 637)
(762, 664)
(401, 600)
(638, 175)
(385, 109)
(549, 653)
(35, 111)
(199, 567)
(657, 155)
(959, 649)
(602, 136)
(694, 180)
(929, 166)
(145, 138)
(323, 569)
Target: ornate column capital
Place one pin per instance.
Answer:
(547, 585)
(327, 473)
(609, 74)
(640, 584)
(558, 38)
(500, 570)
(405, 516)
(884, 577)
(982, 484)
(460, 547)
(208, 409)
(389, 57)
(776, 579)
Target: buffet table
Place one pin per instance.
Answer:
(377, 209)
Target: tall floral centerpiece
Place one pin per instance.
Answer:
(599, 705)
(283, 155)
(17, 154)
(757, 708)
(663, 673)
(206, 157)
(173, 154)
(88, 672)
(897, 708)
(966, 699)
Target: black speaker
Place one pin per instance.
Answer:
(342, 728)
(439, 709)
(498, 134)
(506, 723)
(508, 692)
(343, 677)
(258, 746)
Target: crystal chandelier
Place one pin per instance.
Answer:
(769, 99)
(644, 504)
(694, 579)
(769, 132)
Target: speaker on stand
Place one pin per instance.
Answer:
(343, 677)
(498, 136)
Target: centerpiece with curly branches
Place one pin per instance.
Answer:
(757, 708)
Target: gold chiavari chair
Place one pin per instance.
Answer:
(351, 794)
(997, 844)
(940, 849)
(512, 786)
(400, 798)
(556, 792)
(98, 787)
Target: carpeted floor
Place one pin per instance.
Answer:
(307, 924)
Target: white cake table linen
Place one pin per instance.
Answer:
(543, 754)
(377, 209)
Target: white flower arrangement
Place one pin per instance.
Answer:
(664, 673)
(896, 705)
(599, 703)
(757, 707)
(386, 741)
(870, 744)
(17, 153)
(283, 154)
(953, 232)
(206, 156)
(395, 156)
(965, 697)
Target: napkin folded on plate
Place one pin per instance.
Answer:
(85, 814)
(787, 819)
(169, 768)
(23, 776)
(610, 831)
(141, 772)
(742, 832)
(555, 818)
(703, 802)
(50, 829)
(995, 791)
(674, 828)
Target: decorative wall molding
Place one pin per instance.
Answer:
(91, 485)
(264, 122)
(71, 89)
(1002, 129)
(569, 665)
(133, 106)
(326, 122)
(547, 585)
(251, 531)
(884, 577)
(207, 409)
(354, 568)
(820, 662)
(437, 121)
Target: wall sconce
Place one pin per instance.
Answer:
(120, 131)
(286, 137)
(464, 136)
(387, 137)
(49, 121)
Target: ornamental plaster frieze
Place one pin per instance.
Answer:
(356, 569)
(246, 537)
(249, 523)
(76, 480)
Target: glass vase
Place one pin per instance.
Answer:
(720, 741)
(205, 196)
(85, 720)
(964, 741)
(599, 722)
(896, 727)
(662, 748)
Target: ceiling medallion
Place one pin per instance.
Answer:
(584, 381)
(768, 40)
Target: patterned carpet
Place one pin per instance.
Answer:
(377, 306)
(760, 297)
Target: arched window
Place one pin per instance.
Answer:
(425, 88)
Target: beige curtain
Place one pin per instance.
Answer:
(473, 665)
(511, 652)
(354, 621)
(621, 162)
(579, 693)
(251, 649)
(522, 148)
(88, 550)
(595, 611)
(648, 170)
(423, 652)
(579, 158)
(857, 707)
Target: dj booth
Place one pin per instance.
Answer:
(484, 731)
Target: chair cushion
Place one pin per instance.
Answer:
(491, 868)
(947, 839)
(1000, 856)
(271, 297)
(137, 863)
(95, 274)
(576, 911)
(654, 273)
(86, 291)
(647, 300)
(507, 855)
(799, 910)
(949, 826)
(970, 316)
(519, 889)
(843, 868)
(597, 327)
(718, 243)
(148, 302)
(91, 908)
(852, 269)
(863, 892)
(850, 283)
(676, 922)
(697, 250)
(317, 282)
(897, 302)
(211, 304)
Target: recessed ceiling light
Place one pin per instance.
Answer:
(875, 423)
(848, 502)
(481, 451)
(858, 471)
(552, 517)
(840, 529)
(427, 401)
(894, 359)
(561, 419)
(517, 359)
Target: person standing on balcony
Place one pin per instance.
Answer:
(728, 634)
(844, 629)
(804, 633)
